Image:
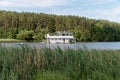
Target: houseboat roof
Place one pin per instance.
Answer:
(59, 37)
(59, 34)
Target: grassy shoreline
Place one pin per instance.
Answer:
(15, 40)
(25, 63)
(11, 40)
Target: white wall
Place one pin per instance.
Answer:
(58, 41)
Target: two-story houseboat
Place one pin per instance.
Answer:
(60, 37)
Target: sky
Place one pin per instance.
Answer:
(95, 9)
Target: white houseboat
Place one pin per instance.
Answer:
(60, 37)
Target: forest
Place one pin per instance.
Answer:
(31, 26)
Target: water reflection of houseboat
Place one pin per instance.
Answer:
(60, 37)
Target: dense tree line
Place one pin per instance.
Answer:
(33, 26)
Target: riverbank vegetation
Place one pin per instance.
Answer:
(11, 40)
(33, 26)
(24, 63)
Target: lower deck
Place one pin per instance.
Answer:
(60, 40)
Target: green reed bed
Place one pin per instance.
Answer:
(25, 63)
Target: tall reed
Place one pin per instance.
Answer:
(25, 63)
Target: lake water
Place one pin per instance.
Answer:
(88, 45)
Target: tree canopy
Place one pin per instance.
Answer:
(33, 26)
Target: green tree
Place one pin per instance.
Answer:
(40, 36)
(85, 36)
(25, 35)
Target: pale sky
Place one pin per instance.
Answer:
(95, 9)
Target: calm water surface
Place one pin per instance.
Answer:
(88, 45)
